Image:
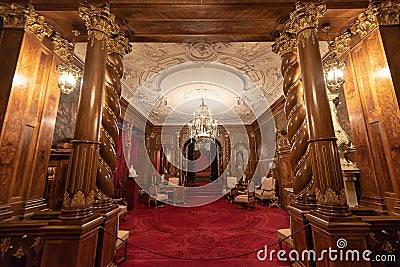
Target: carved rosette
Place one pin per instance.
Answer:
(62, 47)
(24, 16)
(298, 135)
(386, 13)
(118, 47)
(341, 43)
(99, 22)
(304, 21)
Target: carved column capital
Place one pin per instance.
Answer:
(386, 13)
(305, 16)
(120, 44)
(341, 43)
(24, 16)
(285, 43)
(13, 15)
(99, 21)
(62, 47)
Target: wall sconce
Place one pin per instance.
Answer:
(333, 68)
(69, 73)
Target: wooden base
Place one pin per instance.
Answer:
(303, 237)
(71, 243)
(341, 235)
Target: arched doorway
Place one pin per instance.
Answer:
(205, 160)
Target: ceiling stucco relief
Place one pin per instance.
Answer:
(152, 71)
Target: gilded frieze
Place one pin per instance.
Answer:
(78, 200)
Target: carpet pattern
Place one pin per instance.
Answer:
(217, 230)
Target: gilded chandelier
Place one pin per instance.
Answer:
(202, 124)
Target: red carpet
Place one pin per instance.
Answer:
(218, 230)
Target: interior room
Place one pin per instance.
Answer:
(199, 133)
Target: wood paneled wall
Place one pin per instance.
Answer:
(374, 115)
(30, 99)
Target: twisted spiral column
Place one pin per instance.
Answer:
(111, 111)
(303, 183)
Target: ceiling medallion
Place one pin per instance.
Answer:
(202, 51)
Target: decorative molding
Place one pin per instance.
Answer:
(37, 25)
(78, 200)
(331, 197)
(341, 43)
(37, 244)
(5, 245)
(62, 47)
(120, 44)
(20, 252)
(307, 34)
(285, 43)
(99, 21)
(14, 15)
(305, 16)
(386, 13)
(24, 16)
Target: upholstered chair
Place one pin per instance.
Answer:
(155, 196)
(248, 198)
(267, 191)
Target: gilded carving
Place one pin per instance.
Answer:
(51, 173)
(307, 34)
(37, 244)
(24, 16)
(20, 252)
(5, 245)
(305, 16)
(37, 25)
(79, 199)
(331, 197)
(341, 43)
(62, 47)
(285, 43)
(13, 15)
(120, 45)
(386, 13)
(99, 21)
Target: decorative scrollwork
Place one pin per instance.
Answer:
(331, 197)
(62, 47)
(341, 43)
(78, 200)
(99, 21)
(5, 245)
(386, 13)
(305, 16)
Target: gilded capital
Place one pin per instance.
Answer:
(24, 16)
(305, 16)
(62, 47)
(386, 13)
(285, 43)
(99, 21)
(341, 43)
(36, 24)
(13, 15)
(120, 44)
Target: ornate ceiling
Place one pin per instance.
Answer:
(165, 81)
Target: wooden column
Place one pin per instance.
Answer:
(79, 194)
(300, 157)
(329, 187)
(331, 220)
